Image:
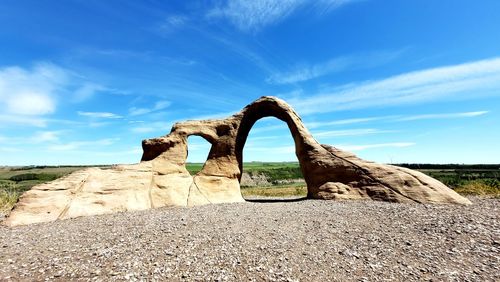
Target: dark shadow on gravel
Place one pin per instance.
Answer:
(276, 200)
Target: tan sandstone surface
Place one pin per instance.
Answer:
(161, 178)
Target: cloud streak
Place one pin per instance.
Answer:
(397, 118)
(291, 149)
(160, 105)
(443, 116)
(344, 121)
(46, 136)
(88, 90)
(257, 14)
(335, 65)
(350, 132)
(37, 138)
(464, 81)
(99, 115)
(71, 146)
(173, 23)
(35, 121)
(214, 116)
(152, 127)
(375, 146)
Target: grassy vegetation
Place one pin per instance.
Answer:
(274, 171)
(194, 168)
(458, 177)
(276, 191)
(480, 180)
(480, 188)
(8, 195)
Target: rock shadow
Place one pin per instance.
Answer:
(276, 200)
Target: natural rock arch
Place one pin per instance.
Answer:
(206, 153)
(270, 107)
(161, 179)
(329, 172)
(228, 136)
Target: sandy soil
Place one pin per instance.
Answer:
(307, 240)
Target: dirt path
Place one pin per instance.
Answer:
(295, 240)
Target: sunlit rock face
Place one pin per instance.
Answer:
(161, 179)
(329, 172)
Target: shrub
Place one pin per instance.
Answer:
(483, 187)
(35, 176)
(8, 197)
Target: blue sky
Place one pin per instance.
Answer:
(83, 82)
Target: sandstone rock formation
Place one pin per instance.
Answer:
(329, 172)
(161, 178)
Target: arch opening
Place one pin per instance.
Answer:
(270, 169)
(198, 149)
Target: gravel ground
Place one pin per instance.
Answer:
(307, 240)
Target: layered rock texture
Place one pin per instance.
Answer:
(161, 179)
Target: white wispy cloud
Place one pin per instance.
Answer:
(173, 23)
(10, 120)
(396, 118)
(160, 105)
(350, 132)
(352, 62)
(46, 136)
(31, 91)
(143, 129)
(28, 95)
(30, 120)
(443, 116)
(214, 116)
(75, 145)
(87, 90)
(148, 127)
(463, 81)
(241, 50)
(374, 146)
(97, 124)
(132, 151)
(36, 138)
(256, 14)
(119, 53)
(344, 121)
(99, 115)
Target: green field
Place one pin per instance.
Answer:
(465, 179)
(274, 171)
